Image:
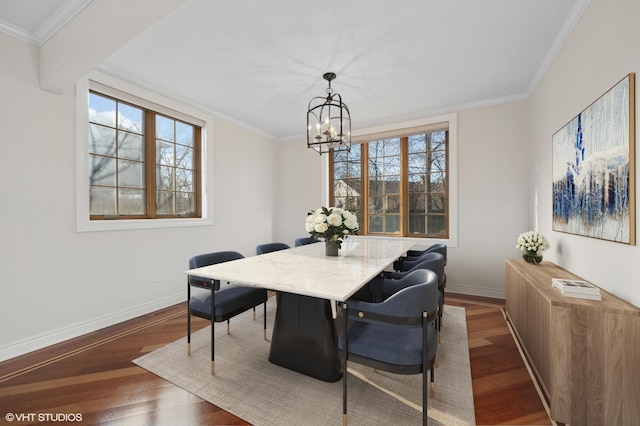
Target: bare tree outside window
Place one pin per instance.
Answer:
(406, 187)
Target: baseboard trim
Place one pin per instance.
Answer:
(34, 343)
(476, 291)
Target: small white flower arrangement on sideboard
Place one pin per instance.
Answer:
(532, 244)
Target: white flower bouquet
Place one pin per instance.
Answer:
(331, 224)
(532, 244)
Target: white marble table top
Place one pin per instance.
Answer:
(307, 271)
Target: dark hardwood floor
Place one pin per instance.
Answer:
(92, 376)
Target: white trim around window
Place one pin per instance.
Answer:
(83, 223)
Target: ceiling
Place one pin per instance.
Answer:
(259, 63)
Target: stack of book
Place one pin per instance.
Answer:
(576, 288)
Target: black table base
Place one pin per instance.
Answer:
(304, 337)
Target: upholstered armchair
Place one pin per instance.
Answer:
(219, 305)
(397, 335)
(305, 240)
(269, 247)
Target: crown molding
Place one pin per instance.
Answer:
(50, 26)
(567, 27)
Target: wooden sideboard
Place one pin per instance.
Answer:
(585, 354)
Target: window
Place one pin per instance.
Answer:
(142, 164)
(406, 189)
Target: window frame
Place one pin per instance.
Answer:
(130, 93)
(400, 129)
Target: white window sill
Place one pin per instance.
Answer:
(121, 225)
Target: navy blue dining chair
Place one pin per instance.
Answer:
(220, 305)
(397, 335)
(305, 240)
(414, 254)
(386, 284)
(269, 247)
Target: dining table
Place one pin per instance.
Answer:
(309, 285)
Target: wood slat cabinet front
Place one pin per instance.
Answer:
(585, 354)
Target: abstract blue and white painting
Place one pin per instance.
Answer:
(593, 169)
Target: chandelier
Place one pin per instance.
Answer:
(328, 121)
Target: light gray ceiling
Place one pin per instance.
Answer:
(260, 62)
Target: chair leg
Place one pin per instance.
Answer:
(254, 313)
(432, 384)
(425, 415)
(228, 327)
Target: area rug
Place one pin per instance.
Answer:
(249, 386)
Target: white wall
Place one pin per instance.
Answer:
(493, 167)
(603, 48)
(299, 179)
(56, 283)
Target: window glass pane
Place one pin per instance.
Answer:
(437, 141)
(416, 203)
(184, 180)
(416, 163)
(164, 178)
(392, 223)
(184, 134)
(376, 204)
(391, 185)
(417, 143)
(437, 203)
(130, 174)
(376, 223)
(416, 184)
(130, 146)
(130, 118)
(103, 170)
(164, 153)
(164, 202)
(130, 201)
(384, 223)
(354, 168)
(437, 226)
(439, 160)
(392, 166)
(185, 203)
(437, 177)
(392, 204)
(184, 157)
(102, 140)
(102, 200)
(376, 166)
(164, 128)
(391, 147)
(375, 188)
(416, 224)
(102, 110)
